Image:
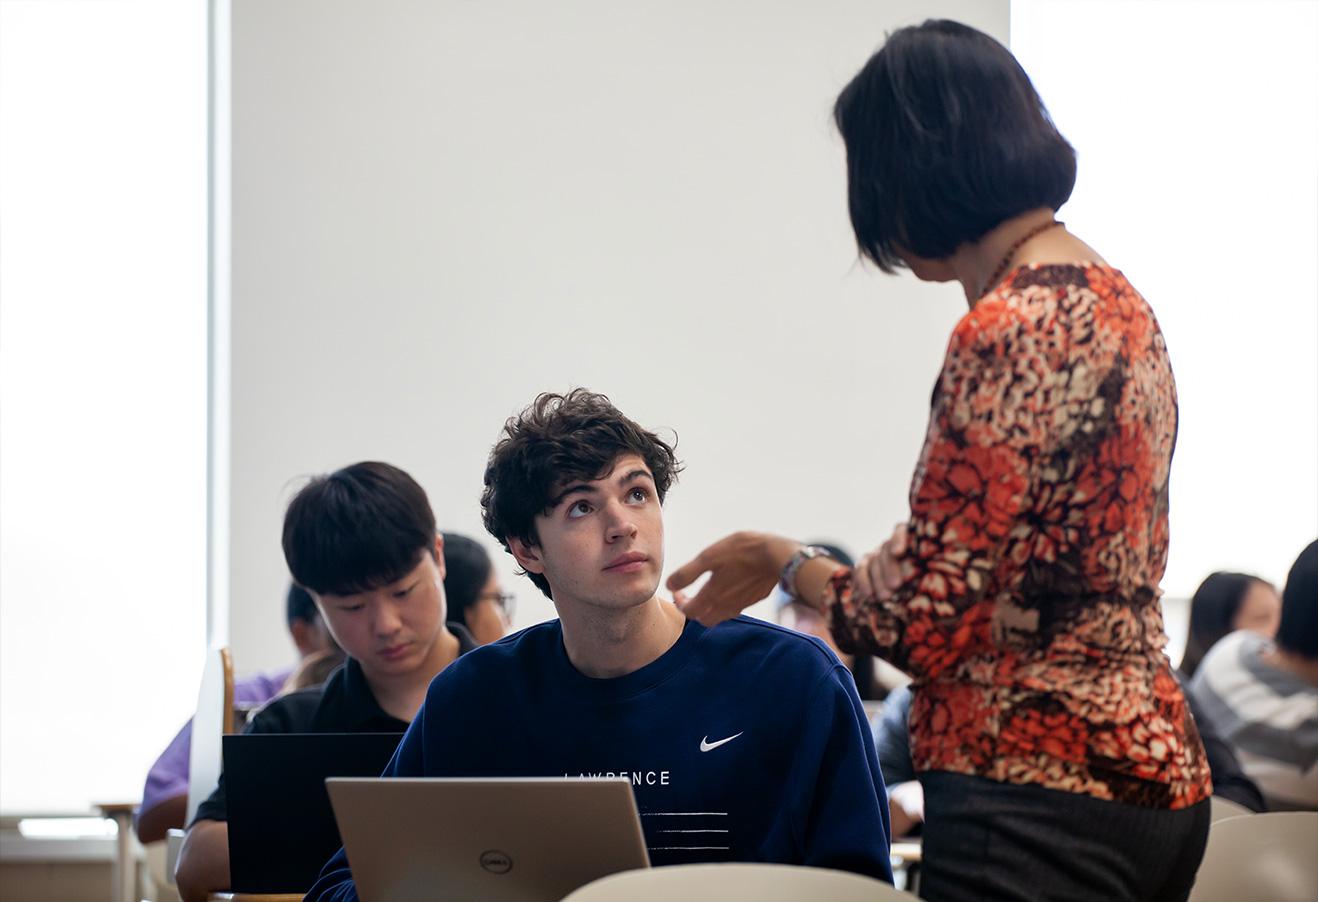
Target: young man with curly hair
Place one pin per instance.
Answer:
(774, 763)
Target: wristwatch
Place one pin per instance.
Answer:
(787, 580)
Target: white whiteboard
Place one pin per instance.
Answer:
(440, 209)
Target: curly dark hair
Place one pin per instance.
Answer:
(556, 440)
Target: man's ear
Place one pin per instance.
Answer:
(439, 555)
(527, 555)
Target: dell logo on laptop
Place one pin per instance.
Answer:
(496, 862)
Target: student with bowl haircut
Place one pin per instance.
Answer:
(362, 541)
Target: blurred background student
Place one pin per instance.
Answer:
(1260, 694)
(1226, 602)
(476, 601)
(165, 796)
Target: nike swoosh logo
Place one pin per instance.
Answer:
(706, 745)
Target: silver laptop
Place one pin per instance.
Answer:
(496, 839)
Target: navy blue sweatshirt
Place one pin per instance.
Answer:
(757, 727)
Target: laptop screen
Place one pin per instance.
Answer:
(281, 826)
(495, 839)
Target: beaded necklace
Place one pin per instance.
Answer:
(1011, 252)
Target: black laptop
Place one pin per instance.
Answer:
(281, 826)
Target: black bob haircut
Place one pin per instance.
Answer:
(1298, 630)
(946, 139)
(357, 529)
(557, 440)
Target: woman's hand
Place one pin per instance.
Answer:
(743, 569)
(879, 573)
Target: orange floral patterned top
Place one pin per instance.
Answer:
(1029, 613)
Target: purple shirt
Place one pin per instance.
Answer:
(168, 777)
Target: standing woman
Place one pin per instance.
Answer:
(1055, 748)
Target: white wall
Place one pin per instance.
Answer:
(441, 209)
(1196, 125)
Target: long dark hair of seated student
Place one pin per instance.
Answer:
(1223, 603)
(476, 600)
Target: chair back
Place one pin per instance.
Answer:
(213, 719)
(1264, 856)
(737, 883)
(1224, 808)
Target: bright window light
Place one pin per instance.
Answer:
(1196, 124)
(67, 828)
(102, 392)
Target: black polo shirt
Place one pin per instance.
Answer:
(344, 703)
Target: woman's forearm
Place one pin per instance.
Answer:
(812, 580)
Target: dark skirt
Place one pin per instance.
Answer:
(987, 840)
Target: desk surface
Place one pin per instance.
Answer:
(110, 809)
(908, 852)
